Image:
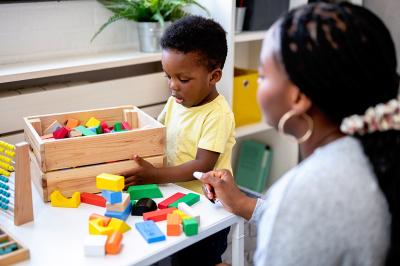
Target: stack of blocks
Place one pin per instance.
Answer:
(105, 235)
(118, 204)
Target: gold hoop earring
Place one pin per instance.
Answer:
(290, 114)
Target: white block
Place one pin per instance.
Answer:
(189, 211)
(95, 245)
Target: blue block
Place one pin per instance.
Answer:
(93, 129)
(120, 215)
(112, 196)
(150, 231)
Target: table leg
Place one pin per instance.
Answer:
(238, 243)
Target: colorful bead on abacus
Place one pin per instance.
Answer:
(7, 145)
(5, 179)
(4, 172)
(5, 158)
(7, 167)
(5, 187)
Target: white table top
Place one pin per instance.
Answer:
(56, 235)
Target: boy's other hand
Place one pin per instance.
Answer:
(144, 173)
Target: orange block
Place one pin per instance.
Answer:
(158, 215)
(106, 220)
(113, 244)
(72, 123)
(174, 224)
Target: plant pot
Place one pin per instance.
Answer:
(150, 35)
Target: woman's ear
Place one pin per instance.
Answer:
(215, 76)
(299, 101)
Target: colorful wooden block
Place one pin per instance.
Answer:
(189, 199)
(126, 126)
(118, 127)
(158, 215)
(61, 133)
(190, 227)
(113, 244)
(165, 203)
(144, 191)
(85, 131)
(120, 215)
(142, 206)
(182, 206)
(94, 245)
(119, 207)
(150, 231)
(58, 200)
(53, 127)
(104, 125)
(112, 197)
(174, 224)
(119, 225)
(93, 199)
(92, 122)
(110, 182)
(99, 129)
(72, 123)
(97, 227)
(106, 130)
(75, 133)
(181, 214)
(106, 220)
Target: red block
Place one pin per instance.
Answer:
(165, 203)
(61, 133)
(93, 199)
(106, 130)
(103, 125)
(125, 125)
(158, 215)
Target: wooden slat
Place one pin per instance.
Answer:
(37, 176)
(18, 255)
(23, 212)
(33, 139)
(103, 148)
(83, 179)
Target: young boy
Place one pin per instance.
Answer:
(199, 122)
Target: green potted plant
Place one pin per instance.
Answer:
(153, 16)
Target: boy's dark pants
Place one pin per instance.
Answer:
(205, 252)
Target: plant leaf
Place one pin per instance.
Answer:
(108, 22)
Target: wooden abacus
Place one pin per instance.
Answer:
(15, 182)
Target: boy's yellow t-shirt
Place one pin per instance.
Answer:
(210, 127)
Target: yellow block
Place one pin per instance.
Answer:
(245, 106)
(92, 122)
(96, 227)
(58, 200)
(119, 225)
(181, 214)
(110, 182)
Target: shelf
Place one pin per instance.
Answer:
(74, 64)
(251, 129)
(247, 36)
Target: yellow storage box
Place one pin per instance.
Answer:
(245, 106)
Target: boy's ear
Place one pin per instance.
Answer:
(215, 76)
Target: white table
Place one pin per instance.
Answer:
(56, 235)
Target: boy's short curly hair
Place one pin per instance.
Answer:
(200, 35)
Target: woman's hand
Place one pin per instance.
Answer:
(224, 187)
(144, 173)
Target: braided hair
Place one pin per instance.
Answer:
(343, 58)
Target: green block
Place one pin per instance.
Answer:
(85, 131)
(190, 227)
(133, 202)
(144, 191)
(99, 130)
(118, 127)
(189, 199)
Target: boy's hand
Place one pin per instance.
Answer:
(145, 173)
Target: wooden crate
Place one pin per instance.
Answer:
(71, 164)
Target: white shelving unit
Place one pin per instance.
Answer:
(247, 36)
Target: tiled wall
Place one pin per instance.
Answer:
(31, 31)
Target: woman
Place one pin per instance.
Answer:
(328, 78)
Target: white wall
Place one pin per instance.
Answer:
(388, 10)
(31, 31)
